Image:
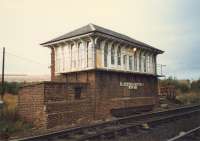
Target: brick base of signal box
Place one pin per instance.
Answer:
(51, 104)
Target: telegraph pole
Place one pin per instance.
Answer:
(2, 81)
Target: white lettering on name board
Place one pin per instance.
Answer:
(131, 85)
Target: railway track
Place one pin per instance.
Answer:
(191, 135)
(117, 127)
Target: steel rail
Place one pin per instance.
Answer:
(184, 135)
(137, 125)
(123, 123)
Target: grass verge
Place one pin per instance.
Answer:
(189, 98)
(10, 123)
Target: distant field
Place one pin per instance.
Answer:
(26, 78)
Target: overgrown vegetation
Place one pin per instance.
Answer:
(187, 92)
(182, 87)
(10, 122)
(195, 86)
(11, 87)
(190, 98)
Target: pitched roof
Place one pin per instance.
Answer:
(95, 28)
(80, 31)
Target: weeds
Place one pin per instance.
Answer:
(9, 121)
(189, 98)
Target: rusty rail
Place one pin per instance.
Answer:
(186, 136)
(117, 126)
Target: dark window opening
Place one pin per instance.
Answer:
(77, 92)
(87, 46)
(145, 63)
(140, 62)
(105, 54)
(124, 59)
(119, 56)
(130, 62)
(135, 62)
(113, 55)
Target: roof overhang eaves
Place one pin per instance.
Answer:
(52, 42)
(47, 44)
(158, 51)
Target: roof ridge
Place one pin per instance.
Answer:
(92, 26)
(96, 28)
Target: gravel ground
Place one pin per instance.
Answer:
(162, 132)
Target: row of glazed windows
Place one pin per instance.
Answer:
(137, 61)
(80, 56)
(73, 57)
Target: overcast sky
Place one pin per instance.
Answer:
(170, 25)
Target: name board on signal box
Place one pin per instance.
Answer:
(131, 85)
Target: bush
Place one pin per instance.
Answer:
(190, 98)
(195, 86)
(11, 87)
(10, 122)
(183, 88)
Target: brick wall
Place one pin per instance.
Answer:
(31, 106)
(62, 108)
(79, 112)
(53, 103)
(50, 104)
(110, 95)
(105, 106)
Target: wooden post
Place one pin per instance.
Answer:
(2, 81)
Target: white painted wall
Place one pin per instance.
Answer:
(79, 55)
(76, 57)
(127, 51)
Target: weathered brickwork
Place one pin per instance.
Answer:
(31, 106)
(50, 104)
(55, 103)
(79, 112)
(111, 95)
(92, 76)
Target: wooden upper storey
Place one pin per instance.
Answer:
(94, 47)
